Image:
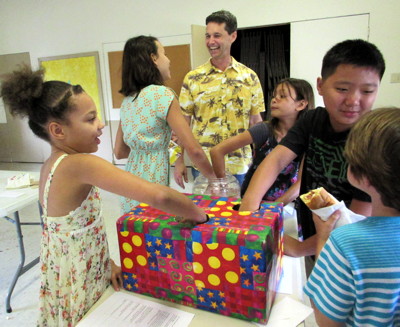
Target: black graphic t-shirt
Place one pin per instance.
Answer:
(324, 163)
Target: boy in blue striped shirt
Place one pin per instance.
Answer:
(356, 279)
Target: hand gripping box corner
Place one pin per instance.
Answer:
(231, 265)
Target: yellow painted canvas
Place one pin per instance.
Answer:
(80, 70)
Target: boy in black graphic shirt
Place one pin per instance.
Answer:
(351, 74)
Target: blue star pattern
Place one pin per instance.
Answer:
(251, 261)
(158, 247)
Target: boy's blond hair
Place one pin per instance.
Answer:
(373, 151)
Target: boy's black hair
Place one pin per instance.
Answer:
(226, 17)
(353, 52)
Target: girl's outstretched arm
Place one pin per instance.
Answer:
(265, 175)
(92, 170)
(186, 139)
(218, 152)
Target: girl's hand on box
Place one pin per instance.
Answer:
(186, 220)
(116, 276)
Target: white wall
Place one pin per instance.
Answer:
(46, 28)
(326, 33)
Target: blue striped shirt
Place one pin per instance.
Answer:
(357, 276)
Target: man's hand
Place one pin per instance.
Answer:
(180, 172)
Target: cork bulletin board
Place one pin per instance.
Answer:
(179, 56)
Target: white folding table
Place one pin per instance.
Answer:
(11, 202)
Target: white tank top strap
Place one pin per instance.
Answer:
(48, 182)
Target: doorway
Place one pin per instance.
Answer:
(266, 50)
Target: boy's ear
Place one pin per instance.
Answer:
(319, 85)
(366, 181)
(56, 130)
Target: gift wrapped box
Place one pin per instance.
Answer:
(230, 265)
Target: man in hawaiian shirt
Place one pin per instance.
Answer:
(221, 98)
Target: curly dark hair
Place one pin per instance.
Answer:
(27, 95)
(138, 68)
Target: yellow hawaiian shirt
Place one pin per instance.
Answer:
(220, 104)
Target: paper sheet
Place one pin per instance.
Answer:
(126, 310)
(287, 313)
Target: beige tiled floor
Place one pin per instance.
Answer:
(24, 300)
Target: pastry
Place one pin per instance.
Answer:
(318, 198)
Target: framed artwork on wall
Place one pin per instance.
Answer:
(80, 68)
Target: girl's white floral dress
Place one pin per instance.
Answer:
(75, 262)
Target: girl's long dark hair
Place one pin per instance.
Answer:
(138, 68)
(303, 91)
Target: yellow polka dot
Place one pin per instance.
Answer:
(215, 209)
(197, 267)
(136, 240)
(231, 277)
(199, 284)
(212, 246)
(211, 215)
(244, 213)
(226, 214)
(214, 280)
(197, 248)
(214, 262)
(221, 203)
(141, 260)
(128, 263)
(124, 234)
(228, 254)
(143, 205)
(127, 247)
